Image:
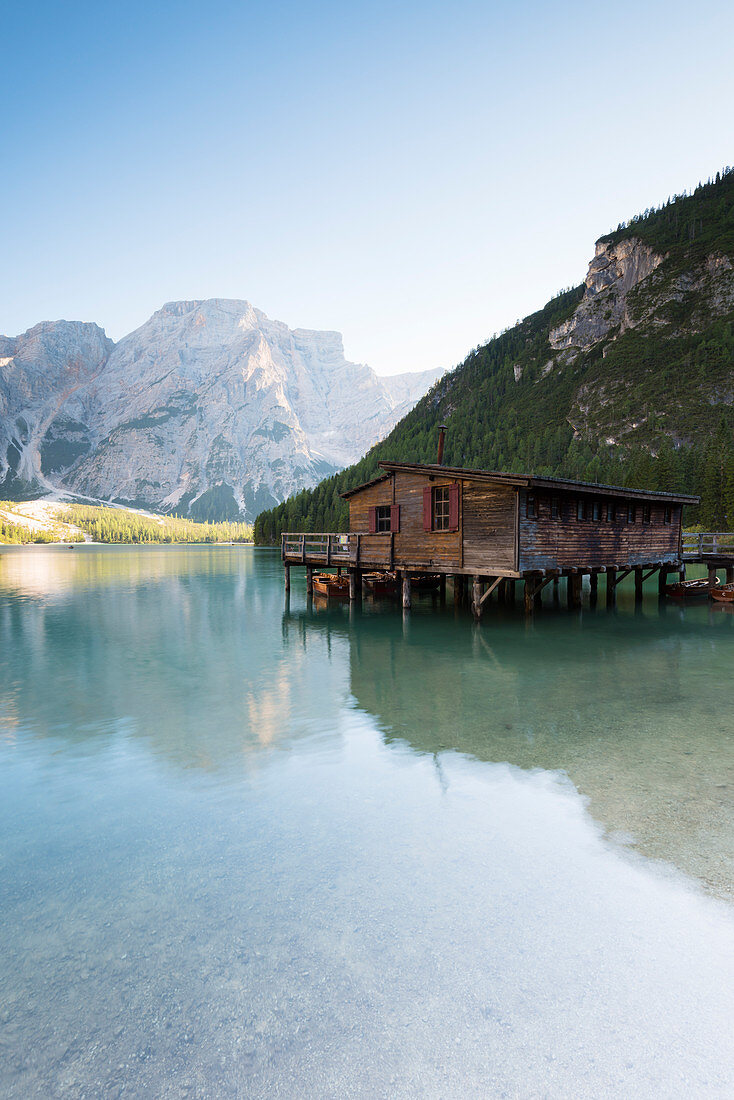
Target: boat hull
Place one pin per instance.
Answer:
(689, 590)
(331, 587)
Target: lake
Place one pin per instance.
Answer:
(255, 847)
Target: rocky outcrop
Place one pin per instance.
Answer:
(44, 379)
(210, 407)
(615, 270)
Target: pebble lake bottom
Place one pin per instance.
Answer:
(251, 849)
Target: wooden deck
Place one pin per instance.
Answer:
(709, 547)
(357, 552)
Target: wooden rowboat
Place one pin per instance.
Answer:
(380, 584)
(331, 586)
(689, 590)
(724, 593)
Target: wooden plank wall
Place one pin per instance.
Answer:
(489, 527)
(413, 547)
(547, 543)
(360, 504)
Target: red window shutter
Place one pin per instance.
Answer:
(373, 520)
(395, 517)
(427, 524)
(454, 507)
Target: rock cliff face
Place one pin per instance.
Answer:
(209, 407)
(44, 399)
(615, 270)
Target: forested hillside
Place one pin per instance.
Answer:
(626, 379)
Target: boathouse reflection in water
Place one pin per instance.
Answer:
(613, 700)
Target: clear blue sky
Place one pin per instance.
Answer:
(416, 175)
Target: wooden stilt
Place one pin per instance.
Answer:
(556, 589)
(611, 587)
(662, 580)
(569, 591)
(458, 589)
(528, 600)
(638, 584)
(442, 588)
(577, 581)
(406, 592)
(712, 576)
(730, 574)
(352, 585)
(682, 572)
(510, 591)
(309, 580)
(593, 589)
(287, 571)
(476, 603)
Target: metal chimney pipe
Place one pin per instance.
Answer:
(441, 439)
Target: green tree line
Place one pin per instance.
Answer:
(118, 526)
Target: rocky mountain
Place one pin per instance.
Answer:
(627, 378)
(209, 408)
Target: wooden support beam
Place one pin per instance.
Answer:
(442, 588)
(309, 580)
(594, 588)
(406, 592)
(638, 584)
(287, 571)
(495, 584)
(534, 585)
(352, 585)
(528, 595)
(458, 589)
(576, 583)
(476, 600)
(611, 587)
(510, 591)
(730, 574)
(662, 580)
(622, 574)
(712, 576)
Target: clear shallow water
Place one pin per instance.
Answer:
(250, 851)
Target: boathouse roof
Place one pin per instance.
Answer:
(528, 481)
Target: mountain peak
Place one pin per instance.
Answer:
(209, 406)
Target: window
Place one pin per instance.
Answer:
(667, 514)
(581, 509)
(596, 512)
(555, 508)
(631, 513)
(441, 509)
(382, 518)
(610, 511)
(647, 513)
(531, 506)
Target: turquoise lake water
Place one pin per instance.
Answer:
(257, 848)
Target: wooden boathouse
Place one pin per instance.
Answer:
(489, 530)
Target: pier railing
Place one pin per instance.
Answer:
(324, 548)
(321, 548)
(699, 544)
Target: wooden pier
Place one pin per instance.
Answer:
(489, 531)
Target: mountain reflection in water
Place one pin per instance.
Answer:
(251, 847)
(633, 706)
